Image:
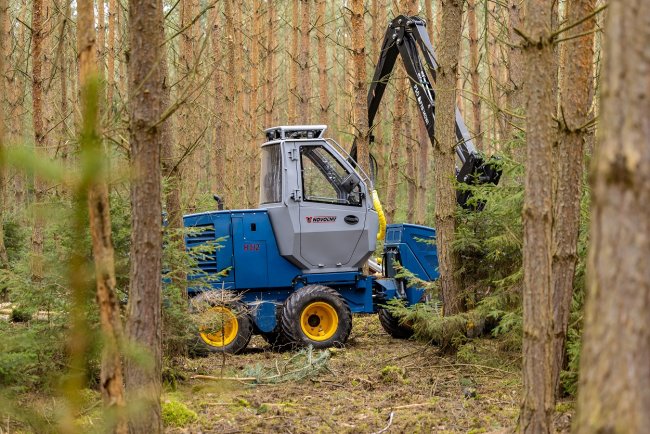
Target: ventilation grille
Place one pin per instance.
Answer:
(203, 248)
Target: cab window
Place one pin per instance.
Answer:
(325, 180)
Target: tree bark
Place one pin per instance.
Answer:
(576, 91)
(270, 67)
(38, 36)
(254, 125)
(304, 83)
(217, 150)
(423, 172)
(143, 382)
(393, 177)
(444, 155)
(323, 93)
(111, 378)
(614, 370)
(4, 60)
(230, 96)
(110, 51)
(538, 400)
(516, 67)
(360, 97)
(293, 95)
(101, 36)
(474, 73)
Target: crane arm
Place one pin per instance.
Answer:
(407, 37)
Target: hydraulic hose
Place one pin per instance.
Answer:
(380, 213)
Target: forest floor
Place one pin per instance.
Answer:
(376, 384)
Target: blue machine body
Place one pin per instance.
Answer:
(248, 257)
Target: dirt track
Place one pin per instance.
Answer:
(376, 384)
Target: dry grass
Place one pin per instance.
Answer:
(375, 383)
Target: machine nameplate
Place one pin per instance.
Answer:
(321, 219)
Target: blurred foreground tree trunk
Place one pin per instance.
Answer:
(538, 51)
(111, 378)
(576, 92)
(144, 324)
(614, 390)
(444, 155)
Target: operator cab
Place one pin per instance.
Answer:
(318, 203)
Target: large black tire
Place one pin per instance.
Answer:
(235, 334)
(392, 326)
(316, 315)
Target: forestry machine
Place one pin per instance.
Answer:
(295, 263)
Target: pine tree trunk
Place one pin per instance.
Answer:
(474, 72)
(576, 90)
(254, 128)
(38, 36)
(230, 96)
(270, 67)
(323, 89)
(240, 109)
(4, 61)
(444, 155)
(101, 36)
(412, 146)
(172, 175)
(396, 141)
(110, 50)
(186, 119)
(62, 147)
(304, 90)
(538, 395)
(15, 87)
(293, 60)
(423, 171)
(360, 97)
(144, 324)
(614, 370)
(516, 67)
(379, 150)
(217, 150)
(111, 378)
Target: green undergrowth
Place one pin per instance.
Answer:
(489, 244)
(177, 414)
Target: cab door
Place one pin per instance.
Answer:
(332, 210)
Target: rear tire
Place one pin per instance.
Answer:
(392, 325)
(232, 325)
(316, 315)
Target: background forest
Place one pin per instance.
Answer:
(115, 113)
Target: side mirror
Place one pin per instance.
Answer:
(350, 182)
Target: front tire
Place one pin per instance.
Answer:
(223, 327)
(316, 315)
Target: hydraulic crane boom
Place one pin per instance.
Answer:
(403, 36)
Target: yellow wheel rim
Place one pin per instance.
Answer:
(227, 327)
(319, 321)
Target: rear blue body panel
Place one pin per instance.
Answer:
(417, 253)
